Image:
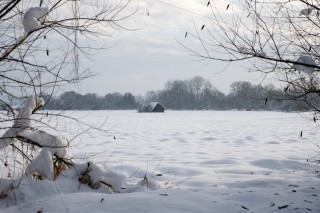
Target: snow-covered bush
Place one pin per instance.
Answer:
(31, 63)
(46, 158)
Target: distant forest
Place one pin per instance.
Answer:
(192, 94)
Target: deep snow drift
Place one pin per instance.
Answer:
(204, 162)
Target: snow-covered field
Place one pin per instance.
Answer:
(204, 161)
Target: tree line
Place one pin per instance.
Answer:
(191, 94)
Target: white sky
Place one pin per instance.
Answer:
(145, 60)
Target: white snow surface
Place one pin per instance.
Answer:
(204, 161)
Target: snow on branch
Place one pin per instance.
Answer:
(243, 50)
(306, 12)
(52, 146)
(97, 176)
(307, 60)
(22, 121)
(33, 18)
(262, 54)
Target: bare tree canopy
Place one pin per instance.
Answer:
(42, 41)
(278, 38)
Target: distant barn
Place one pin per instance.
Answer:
(152, 107)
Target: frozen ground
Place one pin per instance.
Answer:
(204, 161)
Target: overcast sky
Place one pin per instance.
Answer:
(146, 59)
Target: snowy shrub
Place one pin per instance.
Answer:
(46, 158)
(29, 150)
(96, 176)
(148, 183)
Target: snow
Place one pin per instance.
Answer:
(153, 104)
(306, 60)
(7, 138)
(262, 53)
(51, 145)
(204, 161)
(33, 18)
(306, 12)
(243, 50)
(42, 164)
(21, 122)
(54, 144)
